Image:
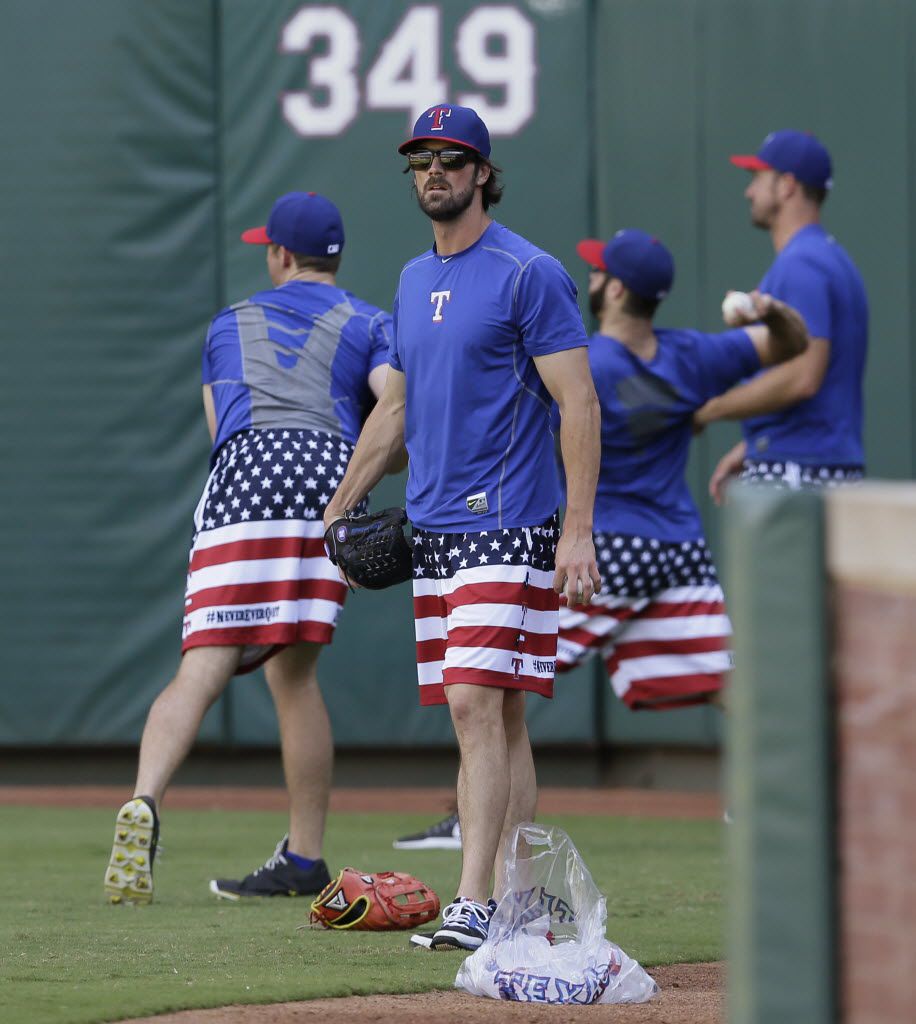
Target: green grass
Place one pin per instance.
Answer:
(69, 958)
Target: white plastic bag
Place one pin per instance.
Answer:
(546, 942)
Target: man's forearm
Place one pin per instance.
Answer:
(580, 446)
(788, 333)
(380, 443)
(775, 389)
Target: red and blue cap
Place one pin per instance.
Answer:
(789, 152)
(644, 265)
(302, 222)
(449, 123)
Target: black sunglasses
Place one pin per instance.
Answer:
(449, 159)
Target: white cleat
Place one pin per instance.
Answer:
(129, 875)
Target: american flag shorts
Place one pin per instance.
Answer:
(659, 623)
(258, 574)
(485, 609)
(793, 476)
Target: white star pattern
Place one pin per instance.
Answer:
(641, 566)
(441, 555)
(260, 475)
(782, 475)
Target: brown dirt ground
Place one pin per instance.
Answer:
(690, 993)
(644, 803)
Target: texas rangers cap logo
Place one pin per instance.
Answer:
(437, 114)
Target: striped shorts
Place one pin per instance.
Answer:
(659, 624)
(258, 574)
(485, 609)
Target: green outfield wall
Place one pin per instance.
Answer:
(141, 138)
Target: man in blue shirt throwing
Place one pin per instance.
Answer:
(802, 421)
(660, 623)
(486, 332)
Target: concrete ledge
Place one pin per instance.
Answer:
(871, 536)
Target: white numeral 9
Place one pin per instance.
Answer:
(514, 69)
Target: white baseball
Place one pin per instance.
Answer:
(737, 307)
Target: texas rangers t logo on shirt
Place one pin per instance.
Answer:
(437, 113)
(439, 298)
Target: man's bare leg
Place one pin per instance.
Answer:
(305, 742)
(174, 719)
(523, 794)
(483, 781)
(171, 728)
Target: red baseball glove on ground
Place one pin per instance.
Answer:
(385, 901)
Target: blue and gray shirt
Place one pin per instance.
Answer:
(646, 425)
(297, 356)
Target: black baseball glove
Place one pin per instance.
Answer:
(371, 550)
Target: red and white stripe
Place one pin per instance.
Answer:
(665, 651)
(485, 626)
(262, 585)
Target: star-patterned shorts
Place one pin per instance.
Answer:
(794, 476)
(258, 575)
(659, 623)
(485, 609)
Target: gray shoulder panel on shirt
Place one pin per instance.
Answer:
(291, 386)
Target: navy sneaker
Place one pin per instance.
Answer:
(279, 876)
(129, 875)
(465, 924)
(444, 835)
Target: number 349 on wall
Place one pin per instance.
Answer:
(494, 47)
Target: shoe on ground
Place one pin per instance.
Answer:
(444, 835)
(465, 924)
(129, 875)
(279, 876)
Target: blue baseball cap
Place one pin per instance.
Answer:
(449, 123)
(644, 265)
(302, 222)
(791, 152)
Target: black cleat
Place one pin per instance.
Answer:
(444, 835)
(279, 876)
(465, 924)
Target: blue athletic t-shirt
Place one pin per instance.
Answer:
(477, 418)
(294, 356)
(815, 274)
(646, 410)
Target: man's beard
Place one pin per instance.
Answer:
(446, 205)
(596, 301)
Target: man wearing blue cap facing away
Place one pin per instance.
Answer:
(287, 377)
(487, 331)
(660, 623)
(802, 421)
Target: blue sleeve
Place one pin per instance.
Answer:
(222, 355)
(394, 360)
(546, 309)
(806, 287)
(380, 335)
(723, 360)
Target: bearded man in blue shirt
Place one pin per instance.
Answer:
(487, 332)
